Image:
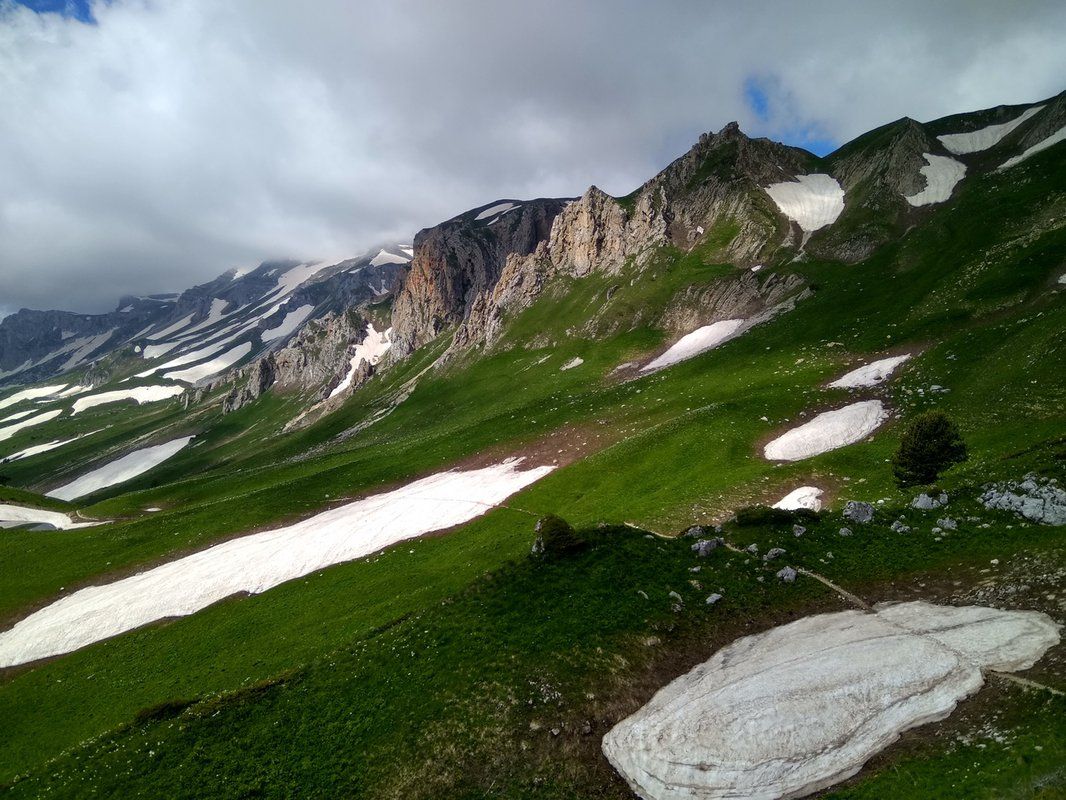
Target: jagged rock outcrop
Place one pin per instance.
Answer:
(250, 383)
(459, 259)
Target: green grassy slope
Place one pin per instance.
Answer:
(973, 288)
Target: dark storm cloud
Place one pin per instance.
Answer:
(170, 141)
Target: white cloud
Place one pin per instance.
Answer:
(174, 140)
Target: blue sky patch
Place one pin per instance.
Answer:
(80, 10)
(777, 117)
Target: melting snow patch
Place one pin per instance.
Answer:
(17, 415)
(139, 394)
(692, 344)
(811, 201)
(982, 139)
(31, 394)
(803, 497)
(941, 175)
(371, 349)
(288, 325)
(576, 361)
(385, 257)
(11, 430)
(499, 208)
(869, 375)
(1043, 144)
(11, 516)
(120, 470)
(802, 706)
(828, 431)
(37, 449)
(177, 326)
(188, 358)
(260, 561)
(209, 368)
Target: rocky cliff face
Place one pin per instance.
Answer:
(459, 259)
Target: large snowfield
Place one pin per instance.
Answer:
(10, 516)
(32, 394)
(139, 394)
(120, 470)
(802, 706)
(811, 201)
(212, 367)
(828, 431)
(28, 422)
(260, 561)
(1043, 144)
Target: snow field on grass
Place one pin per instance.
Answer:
(1043, 144)
(802, 706)
(576, 361)
(828, 431)
(10, 516)
(371, 349)
(18, 415)
(209, 368)
(983, 138)
(290, 323)
(37, 449)
(811, 201)
(260, 561)
(120, 470)
(870, 374)
(86, 346)
(188, 358)
(941, 175)
(692, 344)
(499, 208)
(139, 394)
(10, 430)
(803, 497)
(31, 394)
(177, 326)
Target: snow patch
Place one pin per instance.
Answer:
(869, 375)
(576, 361)
(177, 326)
(699, 341)
(499, 208)
(941, 176)
(1043, 144)
(139, 394)
(803, 497)
(811, 201)
(974, 141)
(32, 394)
(119, 471)
(292, 321)
(18, 415)
(258, 562)
(37, 449)
(212, 367)
(385, 257)
(12, 516)
(802, 706)
(11, 430)
(371, 349)
(828, 431)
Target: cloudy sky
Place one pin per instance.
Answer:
(146, 145)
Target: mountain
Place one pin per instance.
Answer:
(575, 497)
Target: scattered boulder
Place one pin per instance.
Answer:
(753, 549)
(947, 524)
(899, 526)
(772, 553)
(695, 532)
(555, 536)
(714, 598)
(927, 502)
(1037, 499)
(857, 511)
(787, 575)
(798, 530)
(845, 531)
(704, 547)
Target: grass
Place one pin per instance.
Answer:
(313, 682)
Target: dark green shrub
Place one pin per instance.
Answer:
(930, 444)
(757, 516)
(555, 536)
